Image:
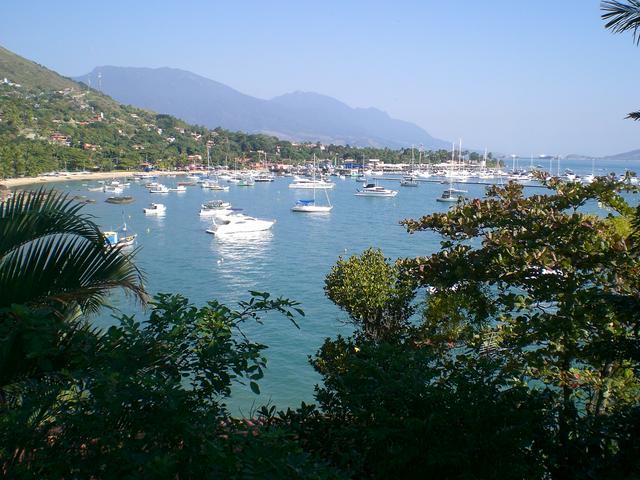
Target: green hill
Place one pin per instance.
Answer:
(49, 122)
(29, 75)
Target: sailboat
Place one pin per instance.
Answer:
(309, 206)
(409, 180)
(451, 195)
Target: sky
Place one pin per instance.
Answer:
(514, 76)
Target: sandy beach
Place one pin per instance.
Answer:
(18, 182)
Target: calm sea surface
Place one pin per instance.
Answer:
(291, 260)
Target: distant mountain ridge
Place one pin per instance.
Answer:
(298, 116)
(624, 156)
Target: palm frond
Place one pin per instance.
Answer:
(622, 16)
(634, 116)
(68, 271)
(30, 215)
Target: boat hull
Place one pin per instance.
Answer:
(311, 208)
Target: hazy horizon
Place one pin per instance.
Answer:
(544, 78)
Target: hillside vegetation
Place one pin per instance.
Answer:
(50, 123)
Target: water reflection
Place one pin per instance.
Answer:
(242, 260)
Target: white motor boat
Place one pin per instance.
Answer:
(264, 177)
(450, 195)
(112, 189)
(159, 188)
(155, 209)
(239, 223)
(214, 185)
(372, 190)
(408, 181)
(215, 208)
(310, 184)
(178, 188)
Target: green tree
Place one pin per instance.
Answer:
(373, 292)
(554, 290)
(147, 400)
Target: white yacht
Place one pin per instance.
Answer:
(155, 209)
(264, 177)
(299, 182)
(214, 185)
(239, 223)
(215, 207)
(112, 189)
(372, 190)
(159, 188)
(179, 189)
(408, 181)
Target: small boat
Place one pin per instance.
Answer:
(309, 206)
(246, 182)
(308, 183)
(361, 179)
(120, 200)
(264, 177)
(186, 184)
(372, 190)
(179, 188)
(408, 182)
(112, 189)
(214, 185)
(239, 223)
(118, 238)
(155, 209)
(214, 207)
(95, 189)
(159, 189)
(450, 195)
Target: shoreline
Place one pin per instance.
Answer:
(43, 180)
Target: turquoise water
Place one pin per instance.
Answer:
(290, 260)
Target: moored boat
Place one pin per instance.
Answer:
(450, 195)
(155, 209)
(239, 223)
(372, 190)
(120, 199)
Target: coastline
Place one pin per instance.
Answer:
(19, 182)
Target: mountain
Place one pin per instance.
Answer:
(633, 155)
(49, 122)
(29, 75)
(299, 116)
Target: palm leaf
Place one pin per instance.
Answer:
(621, 17)
(634, 116)
(68, 272)
(51, 254)
(30, 215)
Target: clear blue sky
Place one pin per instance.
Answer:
(517, 76)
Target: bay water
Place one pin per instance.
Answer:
(290, 260)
